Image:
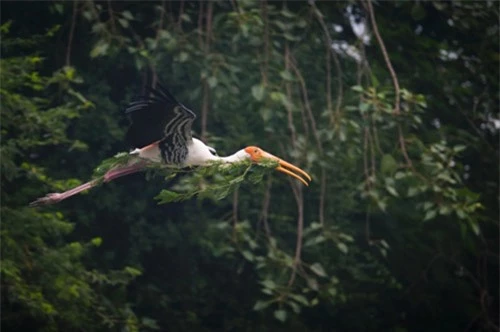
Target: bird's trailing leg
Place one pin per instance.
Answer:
(110, 175)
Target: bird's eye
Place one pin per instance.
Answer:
(212, 151)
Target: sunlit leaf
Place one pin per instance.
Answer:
(260, 305)
(342, 247)
(280, 315)
(318, 269)
(258, 92)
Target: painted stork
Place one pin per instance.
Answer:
(160, 131)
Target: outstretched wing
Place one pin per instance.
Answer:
(159, 117)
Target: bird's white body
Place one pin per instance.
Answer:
(199, 154)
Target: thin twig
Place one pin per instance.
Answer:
(375, 138)
(299, 199)
(291, 126)
(322, 196)
(368, 227)
(71, 32)
(208, 22)
(112, 17)
(181, 12)
(307, 105)
(372, 153)
(328, 86)
(328, 43)
(394, 80)
(235, 210)
(157, 38)
(365, 156)
(386, 57)
(205, 47)
(265, 18)
(264, 214)
(200, 25)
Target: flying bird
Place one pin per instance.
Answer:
(160, 132)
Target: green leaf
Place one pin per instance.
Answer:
(280, 315)
(266, 114)
(392, 190)
(357, 88)
(287, 13)
(267, 291)
(427, 205)
(132, 271)
(342, 247)
(268, 283)
(400, 175)
(259, 305)
(258, 92)
(99, 49)
(475, 227)
(183, 57)
(318, 269)
(286, 75)
(123, 22)
(315, 240)
(185, 18)
(364, 107)
(346, 237)
(300, 298)
(167, 196)
(313, 284)
(430, 214)
(412, 191)
(96, 241)
(212, 81)
(248, 255)
(149, 323)
(295, 307)
(461, 214)
(444, 210)
(127, 15)
(388, 164)
(382, 205)
(332, 291)
(459, 148)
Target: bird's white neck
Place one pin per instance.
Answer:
(234, 158)
(199, 154)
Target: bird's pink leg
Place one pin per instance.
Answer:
(53, 198)
(122, 171)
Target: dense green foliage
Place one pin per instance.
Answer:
(398, 230)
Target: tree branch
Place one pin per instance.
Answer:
(394, 80)
(386, 57)
(330, 51)
(307, 105)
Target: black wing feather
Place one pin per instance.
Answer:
(154, 117)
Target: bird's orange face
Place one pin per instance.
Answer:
(257, 154)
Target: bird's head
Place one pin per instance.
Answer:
(257, 155)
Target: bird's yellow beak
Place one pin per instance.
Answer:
(257, 154)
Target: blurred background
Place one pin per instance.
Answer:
(392, 107)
